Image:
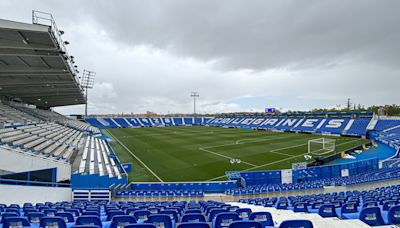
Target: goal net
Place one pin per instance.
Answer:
(321, 146)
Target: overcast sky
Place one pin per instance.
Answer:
(239, 55)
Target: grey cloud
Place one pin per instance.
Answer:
(260, 34)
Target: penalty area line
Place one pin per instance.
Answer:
(224, 156)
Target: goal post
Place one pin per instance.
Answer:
(321, 146)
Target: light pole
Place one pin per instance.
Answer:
(87, 83)
(194, 95)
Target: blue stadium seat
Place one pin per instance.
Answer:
(296, 224)
(193, 211)
(173, 214)
(265, 218)
(300, 207)
(34, 217)
(13, 210)
(372, 216)
(53, 222)
(327, 210)
(84, 226)
(91, 213)
(160, 221)
(245, 224)
(141, 225)
(88, 220)
(13, 222)
(111, 214)
(393, 215)
(224, 219)
(213, 213)
(50, 212)
(67, 216)
(122, 220)
(141, 215)
(349, 211)
(194, 225)
(193, 218)
(8, 215)
(244, 213)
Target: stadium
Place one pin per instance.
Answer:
(178, 169)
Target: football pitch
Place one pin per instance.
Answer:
(197, 153)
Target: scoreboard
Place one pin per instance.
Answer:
(269, 110)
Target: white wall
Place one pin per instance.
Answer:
(29, 194)
(15, 161)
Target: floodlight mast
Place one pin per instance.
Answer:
(87, 82)
(194, 95)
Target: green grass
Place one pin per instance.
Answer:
(204, 153)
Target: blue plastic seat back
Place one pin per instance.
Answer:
(282, 205)
(142, 225)
(224, 219)
(14, 210)
(141, 215)
(8, 215)
(75, 212)
(160, 220)
(14, 222)
(296, 224)
(327, 210)
(300, 207)
(50, 212)
(53, 222)
(245, 224)
(214, 212)
(84, 226)
(91, 213)
(370, 204)
(388, 204)
(194, 225)
(88, 220)
(265, 218)
(34, 217)
(67, 216)
(173, 214)
(193, 211)
(193, 218)
(244, 213)
(349, 208)
(232, 208)
(371, 216)
(119, 221)
(131, 210)
(394, 215)
(111, 214)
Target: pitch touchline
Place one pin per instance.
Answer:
(224, 156)
(138, 159)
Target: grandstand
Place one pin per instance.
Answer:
(227, 170)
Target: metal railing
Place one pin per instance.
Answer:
(4, 181)
(43, 18)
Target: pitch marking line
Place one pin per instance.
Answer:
(285, 159)
(138, 159)
(224, 156)
(231, 144)
(289, 147)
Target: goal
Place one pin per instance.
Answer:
(321, 146)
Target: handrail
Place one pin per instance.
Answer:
(32, 183)
(43, 18)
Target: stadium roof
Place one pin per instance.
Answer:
(35, 67)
